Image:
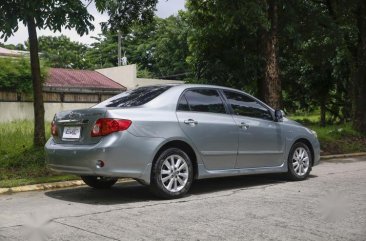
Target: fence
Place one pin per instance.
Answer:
(19, 106)
(11, 96)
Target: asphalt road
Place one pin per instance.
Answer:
(330, 205)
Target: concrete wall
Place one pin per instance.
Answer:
(126, 76)
(10, 111)
(145, 82)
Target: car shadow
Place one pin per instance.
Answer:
(133, 192)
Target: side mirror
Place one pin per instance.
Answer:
(278, 115)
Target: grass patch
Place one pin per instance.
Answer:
(20, 162)
(334, 139)
(309, 119)
(35, 180)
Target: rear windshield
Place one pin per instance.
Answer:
(134, 97)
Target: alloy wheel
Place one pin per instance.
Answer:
(300, 161)
(174, 173)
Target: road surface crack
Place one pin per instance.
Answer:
(85, 230)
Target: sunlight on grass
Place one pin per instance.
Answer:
(20, 162)
(334, 139)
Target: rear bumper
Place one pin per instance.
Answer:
(124, 155)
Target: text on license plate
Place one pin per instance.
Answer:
(71, 132)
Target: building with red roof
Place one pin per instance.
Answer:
(79, 86)
(79, 80)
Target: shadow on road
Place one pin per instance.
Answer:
(134, 192)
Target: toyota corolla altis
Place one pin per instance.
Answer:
(166, 136)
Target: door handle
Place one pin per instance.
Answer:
(191, 122)
(244, 126)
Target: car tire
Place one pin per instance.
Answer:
(99, 182)
(299, 162)
(172, 174)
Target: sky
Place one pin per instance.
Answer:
(164, 9)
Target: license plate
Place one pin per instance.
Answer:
(71, 132)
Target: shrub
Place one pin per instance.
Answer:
(15, 74)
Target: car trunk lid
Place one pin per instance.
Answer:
(74, 127)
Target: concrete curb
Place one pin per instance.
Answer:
(65, 184)
(328, 157)
(49, 186)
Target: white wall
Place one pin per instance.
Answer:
(10, 111)
(126, 76)
(145, 82)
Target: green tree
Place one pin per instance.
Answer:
(103, 52)
(61, 52)
(125, 13)
(320, 58)
(171, 47)
(13, 47)
(312, 60)
(159, 48)
(350, 18)
(16, 74)
(225, 42)
(42, 14)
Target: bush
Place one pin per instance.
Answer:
(15, 74)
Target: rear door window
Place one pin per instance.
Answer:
(245, 106)
(135, 97)
(202, 100)
(183, 104)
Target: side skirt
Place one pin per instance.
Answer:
(204, 173)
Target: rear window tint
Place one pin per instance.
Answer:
(204, 100)
(135, 97)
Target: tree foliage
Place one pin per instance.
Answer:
(61, 52)
(125, 13)
(52, 14)
(15, 74)
(159, 48)
(225, 42)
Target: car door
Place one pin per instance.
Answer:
(206, 121)
(261, 141)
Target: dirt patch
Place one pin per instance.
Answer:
(347, 144)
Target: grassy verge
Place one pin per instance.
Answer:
(20, 162)
(334, 139)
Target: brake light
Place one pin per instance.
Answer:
(106, 126)
(54, 131)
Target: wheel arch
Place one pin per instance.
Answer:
(183, 146)
(309, 145)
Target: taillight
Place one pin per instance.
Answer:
(106, 126)
(54, 131)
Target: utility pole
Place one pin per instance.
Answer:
(119, 48)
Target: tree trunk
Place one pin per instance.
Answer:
(272, 83)
(39, 138)
(359, 77)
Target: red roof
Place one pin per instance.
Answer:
(79, 79)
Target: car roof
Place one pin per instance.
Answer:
(187, 86)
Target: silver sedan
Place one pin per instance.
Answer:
(166, 136)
